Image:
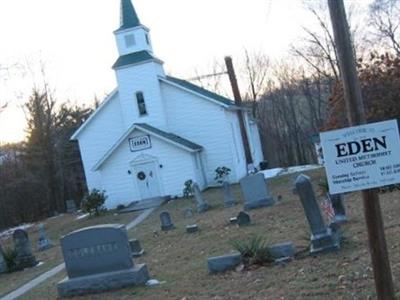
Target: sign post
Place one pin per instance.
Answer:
(355, 114)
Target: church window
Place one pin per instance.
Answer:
(141, 104)
(147, 39)
(130, 40)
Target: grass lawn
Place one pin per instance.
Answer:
(55, 228)
(179, 259)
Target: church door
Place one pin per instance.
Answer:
(147, 181)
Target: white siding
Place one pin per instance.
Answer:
(99, 135)
(141, 78)
(201, 122)
(139, 38)
(177, 167)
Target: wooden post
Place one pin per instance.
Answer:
(238, 101)
(356, 116)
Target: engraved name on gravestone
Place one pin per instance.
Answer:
(98, 259)
(23, 249)
(229, 200)
(255, 192)
(202, 205)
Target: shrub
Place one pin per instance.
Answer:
(94, 202)
(188, 188)
(221, 173)
(253, 251)
(10, 256)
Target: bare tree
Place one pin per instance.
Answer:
(384, 19)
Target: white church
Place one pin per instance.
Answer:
(154, 132)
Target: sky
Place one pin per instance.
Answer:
(72, 41)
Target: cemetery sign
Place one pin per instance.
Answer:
(362, 157)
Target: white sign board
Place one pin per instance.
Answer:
(139, 143)
(362, 157)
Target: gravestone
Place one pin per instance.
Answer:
(255, 192)
(99, 259)
(43, 242)
(166, 222)
(229, 200)
(188, 213)
(23, 249)
(233, 220)
(71, 206)
(202, 205)
(243, 219)
(322, 237)
(223, 263)
(136, 248)
(338, 208)
(192, 228)
(3, 265)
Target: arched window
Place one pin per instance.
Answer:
(141, 104)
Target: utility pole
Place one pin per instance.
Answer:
(238, 101)
(356, 116)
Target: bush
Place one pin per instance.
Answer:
(221, 173)
(253, 251)
(94, 202)
(10, 256)
(188, 188)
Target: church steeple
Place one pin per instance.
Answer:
(129, 18)
(131, 36)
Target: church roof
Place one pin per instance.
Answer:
(199, 90)
(133, 58)
(163, 135)
(129, 18)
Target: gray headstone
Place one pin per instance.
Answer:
(338, 208)
(3, 265)
(188, 213)
(71, 206)
(281, 250)
(202, 205)
(229, 200)
(136, 248)
(43, 242)
(166, 222)
(223, 263)
(243, 219)
(192, 228)
(99, 259)
(23, 248)
(255, 192)
(322, 237)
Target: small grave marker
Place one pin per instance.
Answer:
(192, 228)
(243, 219)
(229, 200)
(338, 208)
(3, 265)
(43, 242)
(166, 222)
(136, 248)
(71, 206)
(202, 205)
(23, 248)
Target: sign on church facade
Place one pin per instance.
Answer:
(139, 143)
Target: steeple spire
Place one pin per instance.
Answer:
(129, 18)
